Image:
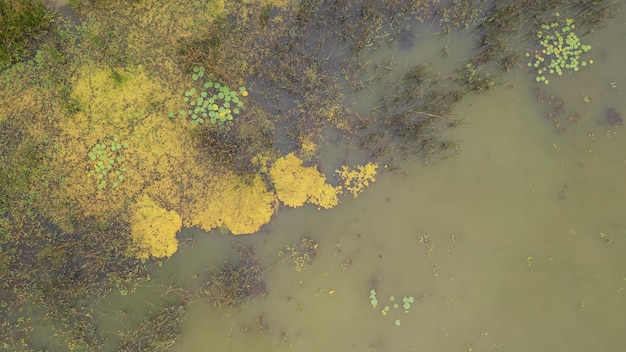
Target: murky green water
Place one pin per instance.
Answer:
(515, 244)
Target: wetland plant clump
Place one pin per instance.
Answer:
(560, 50)
(234, 284)
(234, 146)
(212, 102)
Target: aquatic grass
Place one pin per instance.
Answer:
(20, 20)
(561, 49)
(156, 332)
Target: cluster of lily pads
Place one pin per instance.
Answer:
(107, 159)
(373, 299)
(213, 102)
(561, 49)
(407, 301)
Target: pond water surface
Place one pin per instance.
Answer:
(516, 243)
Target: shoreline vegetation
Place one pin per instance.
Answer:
(150, 116)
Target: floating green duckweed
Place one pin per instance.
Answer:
(373, 300)
(561, 50)
(212, 101)
(407, 301)
(392, 306)
(107, 158)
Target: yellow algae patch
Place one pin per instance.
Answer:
(253, 206)
(110, 99)
(154, 229)
(241, 205)
(356, 179)
(113, 104)
(297, 184)
(31, 106)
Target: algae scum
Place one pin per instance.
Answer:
(138, 137)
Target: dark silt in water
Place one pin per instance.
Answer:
(406, 40)
(613, 117)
